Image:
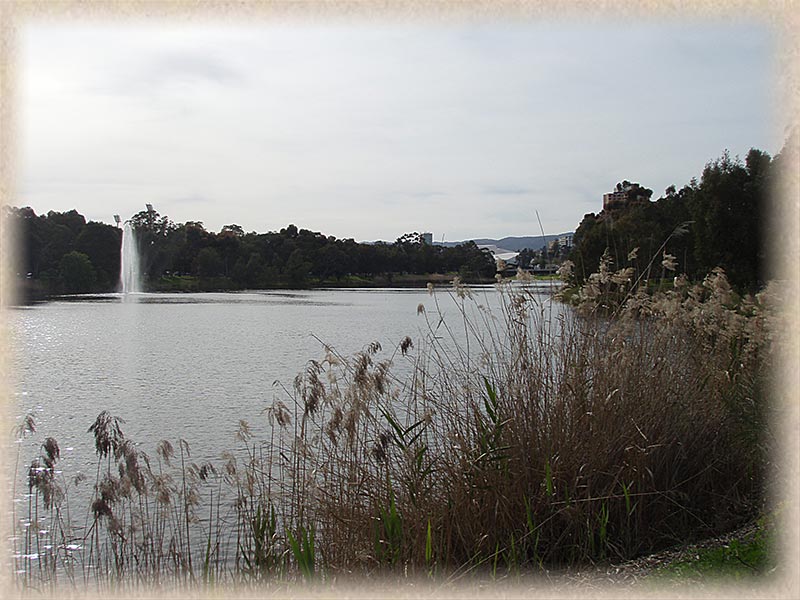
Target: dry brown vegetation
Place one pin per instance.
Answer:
(519, 437)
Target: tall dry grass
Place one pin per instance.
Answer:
(551, 441)
(522, 436)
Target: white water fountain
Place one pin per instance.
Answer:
(129, 275)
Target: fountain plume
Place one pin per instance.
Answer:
(129, 275)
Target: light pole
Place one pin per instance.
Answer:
(150, 215)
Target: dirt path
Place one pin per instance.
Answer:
(633, 572)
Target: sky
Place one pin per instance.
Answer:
(369, 130)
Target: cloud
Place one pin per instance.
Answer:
(426, 194)
(192, 199)
(371, 131)
(507, 190)
(182, 68)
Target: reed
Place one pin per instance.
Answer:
(523, 436)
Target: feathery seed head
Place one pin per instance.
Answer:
(165, 450)
(406, 345)
(27, 426)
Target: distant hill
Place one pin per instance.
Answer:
(514, 244)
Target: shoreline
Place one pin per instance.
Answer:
(32, 293)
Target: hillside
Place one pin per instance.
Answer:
(511, 243)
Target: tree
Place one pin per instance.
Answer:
(588, 243)
(209, 264)
(290, 231)
(58, 241)
(152, 233)
(727, 207)
(77, 273)
(479, 263)
(525, 257)
(234, 229)
(410, 239)
(725, 210)
(297, 267)
(228, 243)
(72, 220)
(28, 229)
(151, 222)
(101, 243)
(641, 226)
(253, 270)
(330, 261)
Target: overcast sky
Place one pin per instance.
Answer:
(373, 130)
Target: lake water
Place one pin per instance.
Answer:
(190, 366)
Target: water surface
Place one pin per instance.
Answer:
(191, 365)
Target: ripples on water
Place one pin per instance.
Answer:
(192, 365)
(188, 366)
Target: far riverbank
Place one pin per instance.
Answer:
(31, 291)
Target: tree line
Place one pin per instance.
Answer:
(718, 221)
(60, 252)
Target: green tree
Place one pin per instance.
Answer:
(153, 234)
(727, 208)
(524, 258)
(589, 242)
(77, 273)
(101, 243)
(297, 268)
(59, 240)
(72, 220)
(234, 229)
(28, 228)
(228, 243)
(209, 263)
(290, 231)
(253, 270)
(330, 261)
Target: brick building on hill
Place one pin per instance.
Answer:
(625, 195)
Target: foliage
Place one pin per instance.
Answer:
(302, 547)
(735, 560)
(728, 207)
(230, 259)
(740, 558)
(101, 244)
(725, 212)
(209, 263)
(45, 240)
(77, 273)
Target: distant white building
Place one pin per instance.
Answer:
(560, 243)
(427, 238)
(500, 254)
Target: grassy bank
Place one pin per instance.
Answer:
(29, 291)
(191, 283)
(520, 439)
(740, 558)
